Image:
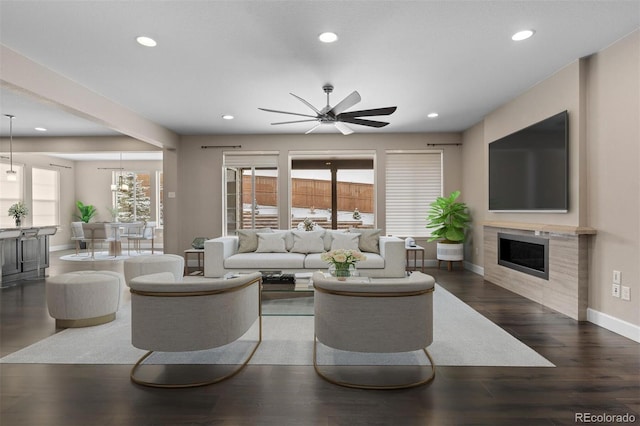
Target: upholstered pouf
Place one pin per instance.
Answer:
(151, 264)
(84, 298)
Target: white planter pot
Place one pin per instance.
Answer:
(450, 252)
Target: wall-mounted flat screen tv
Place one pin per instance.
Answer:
(528, 169)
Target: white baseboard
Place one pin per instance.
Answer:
(618, 326)
(432, 263)
(474, 268)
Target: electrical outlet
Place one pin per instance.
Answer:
(615, 290)
(626, 293)
(617, 277)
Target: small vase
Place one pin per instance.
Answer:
(18, 223)
(340, 273)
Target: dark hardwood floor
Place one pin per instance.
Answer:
(597, 372)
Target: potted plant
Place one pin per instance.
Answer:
(18, 211)
(448, 219)
(86, 212)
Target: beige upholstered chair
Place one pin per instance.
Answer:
(386, 315)
(190, 315)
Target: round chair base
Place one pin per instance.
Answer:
(85, 322)
(188, 376)
(349, 376)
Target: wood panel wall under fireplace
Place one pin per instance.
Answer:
(566, 290)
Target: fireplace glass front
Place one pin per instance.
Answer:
(523, 253)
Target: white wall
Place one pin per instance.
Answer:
(613, 140)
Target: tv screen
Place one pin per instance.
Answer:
(528, 169)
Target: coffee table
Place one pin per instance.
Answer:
(288, 299)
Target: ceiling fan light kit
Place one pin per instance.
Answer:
(336, 115)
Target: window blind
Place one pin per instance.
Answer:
(267, 159)
(413, 181)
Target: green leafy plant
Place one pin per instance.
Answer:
(18, 210)
(448, 219)
(86, 211)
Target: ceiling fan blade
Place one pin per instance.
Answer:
(369, 112)
(285, 112)
(306, 103)
(362, 122)
(294, 121)
(345, 104)
(346, 130)
(313, 128)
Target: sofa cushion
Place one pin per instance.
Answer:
(369, 239)
(264, 261)
(373, 261)
(248, 239)
(346, 241)
(271, 243)
(307, 242)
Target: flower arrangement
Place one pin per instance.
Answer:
(18, 211)
(342, 260)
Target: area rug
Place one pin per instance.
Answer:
(104, 255)
(462, 337)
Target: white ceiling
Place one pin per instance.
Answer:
(231, 57)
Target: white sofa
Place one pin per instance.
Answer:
(293, 251)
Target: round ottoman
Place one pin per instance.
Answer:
(151, 264)
(84, 298)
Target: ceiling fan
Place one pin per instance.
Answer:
(336, 115)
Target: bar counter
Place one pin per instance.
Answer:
(19, 248)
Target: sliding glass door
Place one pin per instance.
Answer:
(335, 193)
(251, 192)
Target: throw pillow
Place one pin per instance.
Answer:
(271, 243)
(328, 237)
(345, 240)
(307, 242)
(248, 239)
(369, 239)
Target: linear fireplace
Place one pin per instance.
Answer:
(524, 253)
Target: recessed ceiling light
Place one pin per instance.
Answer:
(328, 37)
(228, 117)
(41, 129)
(522, 35)
(432, 115)
(146, 41)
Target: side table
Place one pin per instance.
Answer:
(415, 250)
(199, 254)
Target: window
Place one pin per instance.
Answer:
(45, 192)
(413, 181)
(250, 191)
(335, 193)
(10, 193)
(132, 196)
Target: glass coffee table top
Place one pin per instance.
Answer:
(287, 299)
